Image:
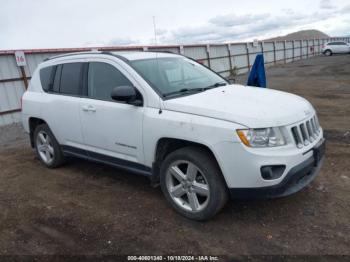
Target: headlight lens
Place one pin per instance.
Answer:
(262, 137)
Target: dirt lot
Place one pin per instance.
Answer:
(87, 208)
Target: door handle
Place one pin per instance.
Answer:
(89, 108)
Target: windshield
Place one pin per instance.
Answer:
(173, 76)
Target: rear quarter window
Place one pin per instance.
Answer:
(45, 77)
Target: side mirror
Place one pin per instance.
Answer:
(127, 94)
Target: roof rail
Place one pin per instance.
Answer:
(161, 51)
(107, 53)
(115, 55)
(73, 53)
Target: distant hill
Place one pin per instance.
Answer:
(300, 35)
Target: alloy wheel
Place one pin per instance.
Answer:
(45, 147)
(187, 186)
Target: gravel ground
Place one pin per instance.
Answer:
(13, 136)
(91, 209)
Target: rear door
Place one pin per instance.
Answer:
(112, 130)
(63, 104)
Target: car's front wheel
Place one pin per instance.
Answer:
(47, 147)
(193, 184)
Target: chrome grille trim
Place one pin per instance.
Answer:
(306, 132)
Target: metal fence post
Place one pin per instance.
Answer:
(208, 55)
(293, 53)
(181, 50)
(301, 49)
(274, 52)
(284, 51)
(229, 56)
(247, 53)
(262, 51)
(24, 76)
(319, 46)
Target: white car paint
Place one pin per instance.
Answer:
(236, 103)
(210, 118)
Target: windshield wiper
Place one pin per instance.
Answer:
(215, 85)
(195, 90)
(184, 91)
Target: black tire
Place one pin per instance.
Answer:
(328, 52)
(218, 193)
(58, 157)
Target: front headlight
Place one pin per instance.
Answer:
(262, 137)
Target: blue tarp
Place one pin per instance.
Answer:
(257, 74)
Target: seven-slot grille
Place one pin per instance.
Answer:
(306, 132)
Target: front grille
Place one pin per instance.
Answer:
(306, 132)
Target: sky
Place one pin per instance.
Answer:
(83, 23)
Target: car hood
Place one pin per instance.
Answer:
(249, 106)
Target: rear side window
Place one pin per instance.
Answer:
(102, 78)
(70, 78)
(46, 77)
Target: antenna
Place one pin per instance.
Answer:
(155, 30)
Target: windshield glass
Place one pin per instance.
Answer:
(173, 76)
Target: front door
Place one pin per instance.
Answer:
(337, 47)
(343, 48)
(111, 130)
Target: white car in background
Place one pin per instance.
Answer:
(175, 121)
(336, 47)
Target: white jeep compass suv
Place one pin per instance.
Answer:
(174, 120)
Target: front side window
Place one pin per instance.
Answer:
(102, 78)
(173, 76)
(70, 78)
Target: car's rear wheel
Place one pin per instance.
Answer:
(47, 147)
(193, 184)
(328, 52)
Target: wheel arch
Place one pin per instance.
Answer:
(33, 123)
(166, 145)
